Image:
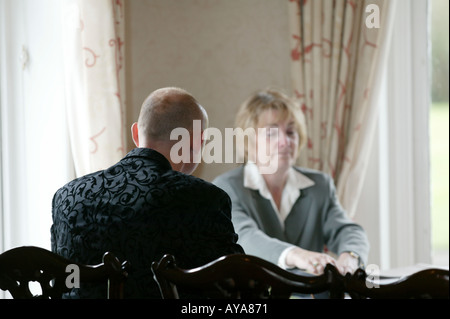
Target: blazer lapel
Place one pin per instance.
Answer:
(268, 216)
(296, 220)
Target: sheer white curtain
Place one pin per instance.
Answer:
(93, 41)
(35, 154)
(337, 61)
(61, 90)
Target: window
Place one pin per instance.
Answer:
(35, 158)
(396, 208)
(439, 130)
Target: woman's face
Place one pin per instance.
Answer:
(277, 142)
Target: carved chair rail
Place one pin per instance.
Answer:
(22, 265)
(242, 276)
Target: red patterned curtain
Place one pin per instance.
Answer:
(338, 49)
(93, 33)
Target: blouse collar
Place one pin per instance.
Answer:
(296, 181)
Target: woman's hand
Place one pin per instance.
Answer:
(347, 263)
(309, 261)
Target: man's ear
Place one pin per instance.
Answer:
(135, 133)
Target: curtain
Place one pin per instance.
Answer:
(35, 157)
(93, 45)
(337, 56)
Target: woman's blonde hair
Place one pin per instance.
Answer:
(250, 111)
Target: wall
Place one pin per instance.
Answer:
(220, 51)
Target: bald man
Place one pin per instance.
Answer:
(147, 204)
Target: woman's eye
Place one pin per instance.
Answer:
(272, 131)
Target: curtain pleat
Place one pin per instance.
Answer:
(94, 78)
(336, 63)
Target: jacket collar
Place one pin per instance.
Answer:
(254, 180)
(141, 152)
(295, 183)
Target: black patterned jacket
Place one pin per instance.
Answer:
(141, 209)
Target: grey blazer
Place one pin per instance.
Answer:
(316, 219)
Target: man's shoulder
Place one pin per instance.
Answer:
(193, 183)
(133, 164)
(79, 181)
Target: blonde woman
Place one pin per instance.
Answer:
(284, 213)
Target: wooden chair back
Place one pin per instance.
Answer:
(425, 284)
(22, 265)
(236, 276)
(243, 276)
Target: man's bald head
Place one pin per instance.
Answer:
(166, 109)
(163, 111)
